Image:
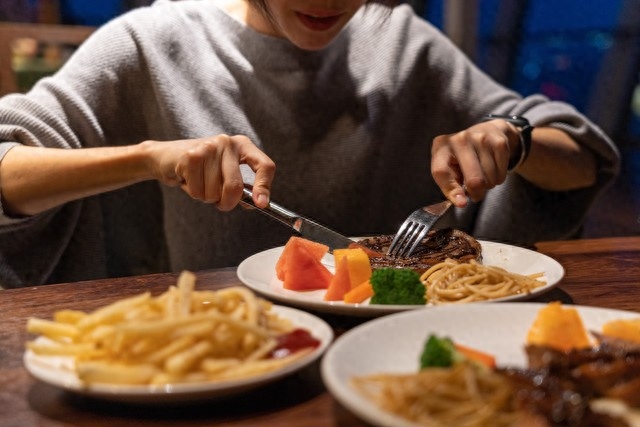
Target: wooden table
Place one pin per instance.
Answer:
(599, 272)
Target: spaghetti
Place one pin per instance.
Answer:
(463, 395)
(452, 282)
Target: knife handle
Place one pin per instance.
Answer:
(274, 210)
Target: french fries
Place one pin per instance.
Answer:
(182, 335)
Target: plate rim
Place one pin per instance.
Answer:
(376, 310)
(367, 410)
(36, 366)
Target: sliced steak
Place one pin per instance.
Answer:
(437, 246)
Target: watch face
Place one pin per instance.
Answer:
(516, 120)
(520, 122)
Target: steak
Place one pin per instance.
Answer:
(437, 246)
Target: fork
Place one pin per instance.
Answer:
(414, 228)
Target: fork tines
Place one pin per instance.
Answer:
(415, 228)
(407, 239)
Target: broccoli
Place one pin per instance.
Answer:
(439, 352)
(397, 286)
(443, 352)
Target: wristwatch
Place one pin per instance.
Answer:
(524, 129)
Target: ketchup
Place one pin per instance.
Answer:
(293, 341)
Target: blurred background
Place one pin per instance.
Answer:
(584, 52)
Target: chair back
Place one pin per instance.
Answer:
(17, 74)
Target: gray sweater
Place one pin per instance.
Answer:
(349, 127)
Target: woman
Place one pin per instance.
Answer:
(367, 111)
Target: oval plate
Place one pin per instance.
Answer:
(393, 344)
(58, 371)
(258, 273)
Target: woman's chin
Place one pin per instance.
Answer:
(317, 41)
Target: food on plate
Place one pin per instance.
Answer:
(359, 294)
(455, 386)
(598, 385)
(443, 352)
(294, 244)
(182, 335)
(437, 246)
(352, 268)
(340, 282)
(300, 267)
(603, 367)
(358, 264)
(452, 281)
(558, 327)
(397, 286)
(626, 329)
(461, 395)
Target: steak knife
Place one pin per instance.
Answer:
(304, 226)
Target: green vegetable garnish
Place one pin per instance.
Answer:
(439, 352)
(397, 286)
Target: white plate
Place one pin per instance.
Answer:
(58, 372)
(258, 273)
(393, 344)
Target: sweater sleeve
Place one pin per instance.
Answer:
(516, 208)
(68, 110)
(546, 215)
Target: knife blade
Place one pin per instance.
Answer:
(306, 227)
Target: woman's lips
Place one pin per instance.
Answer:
(318, 23)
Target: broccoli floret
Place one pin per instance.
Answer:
(397, 286)
(439, 352)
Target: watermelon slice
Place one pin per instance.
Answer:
(303, 270)
(317, 249)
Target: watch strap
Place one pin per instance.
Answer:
(524, 129)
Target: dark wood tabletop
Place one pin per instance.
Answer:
(599, 272)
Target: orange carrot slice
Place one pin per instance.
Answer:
(479, 356)
(359, 294)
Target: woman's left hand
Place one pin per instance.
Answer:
(473, 161)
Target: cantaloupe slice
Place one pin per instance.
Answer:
(359, 264)
(303, 270)
(558, 327)
(340, 283)
(317, 249)
(626, 329)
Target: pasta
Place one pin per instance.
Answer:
(463, 395)
(452, 282)
(182, 335)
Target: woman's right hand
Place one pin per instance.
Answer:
(208, 169)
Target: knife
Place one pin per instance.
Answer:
(304, 226)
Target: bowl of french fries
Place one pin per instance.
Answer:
(181, 345)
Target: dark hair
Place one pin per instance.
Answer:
(261, 5)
